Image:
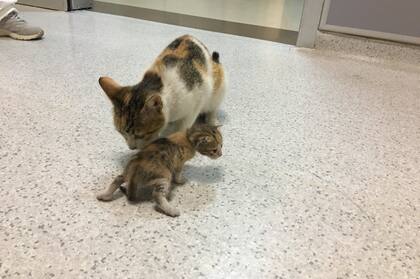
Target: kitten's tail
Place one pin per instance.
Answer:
(133, 176)
(131, 195)
(215, 57)
(123, 190)
(131, 191)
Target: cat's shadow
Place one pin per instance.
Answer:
(223, 117)
(199, 192)
(203, 174)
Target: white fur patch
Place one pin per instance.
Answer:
(182, 105)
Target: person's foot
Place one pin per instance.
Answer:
(15, 27)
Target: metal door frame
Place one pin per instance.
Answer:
(362, 32)
(309, 23)
(60, 5)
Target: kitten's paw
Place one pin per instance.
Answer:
(173, 212)
(180, 180)
(104, 197)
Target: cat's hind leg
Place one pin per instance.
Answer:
(107, 194)
(211, 118)
(188, 121)
(218, 95)
(161, 189)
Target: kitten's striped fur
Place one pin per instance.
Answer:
(160, 163)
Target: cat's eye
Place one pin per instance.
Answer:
(139, 137)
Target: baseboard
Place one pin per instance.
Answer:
(241, 29)
(79, 4)
(59, 5)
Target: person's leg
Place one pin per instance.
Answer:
(13, 26)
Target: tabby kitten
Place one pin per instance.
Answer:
(160, 163)
(183, 82)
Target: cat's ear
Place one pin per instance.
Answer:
(154, 103)
(110, 87)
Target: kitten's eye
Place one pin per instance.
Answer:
(139, 137)
(213, 150)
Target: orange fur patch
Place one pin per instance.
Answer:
(218, 76)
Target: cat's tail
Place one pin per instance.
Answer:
(215, 57)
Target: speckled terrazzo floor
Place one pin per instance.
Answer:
(319, 179)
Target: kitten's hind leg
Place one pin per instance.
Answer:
(107, 194)
(160, 191)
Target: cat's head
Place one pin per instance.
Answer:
(206, 139)
(138, 114)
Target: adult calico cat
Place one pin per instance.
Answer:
(184, 81)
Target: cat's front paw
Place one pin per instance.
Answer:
(104, 197)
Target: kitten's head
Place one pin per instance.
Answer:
(206, 139)
(138, 114)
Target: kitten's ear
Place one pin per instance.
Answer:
(154, 103)
(110, 87)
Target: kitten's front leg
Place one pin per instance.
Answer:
(107, 194)
(179, 178)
